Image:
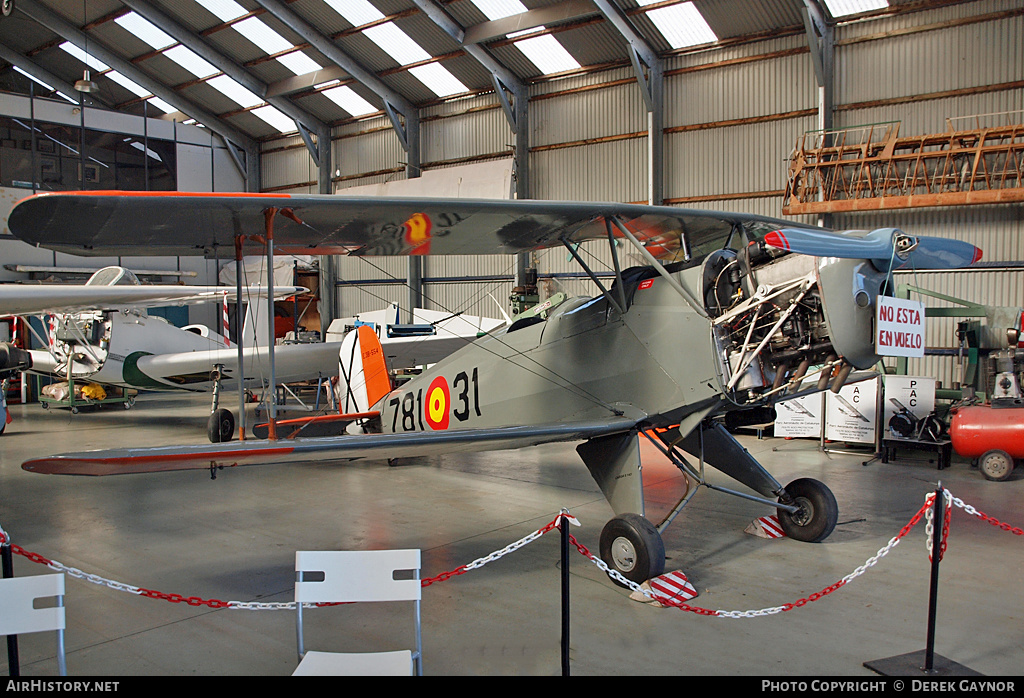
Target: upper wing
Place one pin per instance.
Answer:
(188, 223)
(350, 447)
(18, 299)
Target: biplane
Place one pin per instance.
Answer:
(725, 315)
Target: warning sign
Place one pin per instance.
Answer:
(899, 327)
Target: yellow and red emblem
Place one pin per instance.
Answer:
(438, 401)
(417, 233)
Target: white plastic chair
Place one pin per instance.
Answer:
(358, 576)
(18, 615)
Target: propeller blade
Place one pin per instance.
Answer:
(884, 247)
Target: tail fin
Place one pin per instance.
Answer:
(363, 372)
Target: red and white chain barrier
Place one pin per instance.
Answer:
(924, 512)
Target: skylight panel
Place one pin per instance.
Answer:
(191, 61)
(348, 100)
(145, 30)
(299, 63)
(233, 91)
(161, 105)
(33, 78)
(275, 118)
(842, 8)
(396, 43)
(128, 84)
(547, 54)
(497, 9)
(89, 60)
(438, 79)
(263, 36)
(225, 10)
(399, 45)
(682, 25)
(357, 12)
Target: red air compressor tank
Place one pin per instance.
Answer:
(994, 435)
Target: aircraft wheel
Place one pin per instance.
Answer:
(818, 511)
(632, 546)
(996, 465)
(220, 426)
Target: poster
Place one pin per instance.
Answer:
(851, 415)
(916, 393)
(799, 417)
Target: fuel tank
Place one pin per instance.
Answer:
(976, 429)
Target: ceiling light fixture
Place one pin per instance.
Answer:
(86, 84)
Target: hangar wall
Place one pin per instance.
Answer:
(733, 114)
(201, 164)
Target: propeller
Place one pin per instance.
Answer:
(885, 247)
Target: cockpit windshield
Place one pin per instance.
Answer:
(113, 276)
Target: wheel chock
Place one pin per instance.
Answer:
(765, 527)
(671, 586)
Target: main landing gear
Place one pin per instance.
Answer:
(807, 509)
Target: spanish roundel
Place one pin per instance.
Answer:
(438, 404)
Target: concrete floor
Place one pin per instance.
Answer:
(234, 538)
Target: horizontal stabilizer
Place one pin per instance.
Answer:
(885, 247)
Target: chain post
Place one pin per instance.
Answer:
(13, 662)
(563, 527)
(936, 557)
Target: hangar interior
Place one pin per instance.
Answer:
(853, 115)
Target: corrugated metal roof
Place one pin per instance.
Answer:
(591, 40)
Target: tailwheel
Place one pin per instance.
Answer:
(632, 546)
(220, 426)
(818, 511)
(996, 465)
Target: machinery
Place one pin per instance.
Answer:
(993, 432)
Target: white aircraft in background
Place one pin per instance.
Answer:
(103, 334)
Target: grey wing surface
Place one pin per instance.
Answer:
(349, 447)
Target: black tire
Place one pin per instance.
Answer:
(632, 546)
(220, 426)
(818, 511)
(996, 465)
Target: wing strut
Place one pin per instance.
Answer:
(686, 295)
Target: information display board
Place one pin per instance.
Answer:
(851, 414)
(799, 417)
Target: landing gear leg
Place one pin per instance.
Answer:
(221, 424)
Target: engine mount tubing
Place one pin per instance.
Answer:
(743, 495)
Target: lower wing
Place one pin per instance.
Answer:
(349, 447)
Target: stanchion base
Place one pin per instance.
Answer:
(912, 664)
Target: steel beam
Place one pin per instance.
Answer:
(304, 121)
(821, 41)
(512, 92)
(57, 24)
(540, 17)
(394, 103)
(650, 75)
